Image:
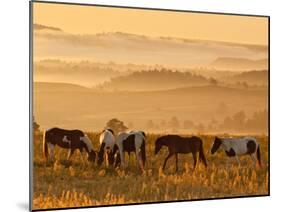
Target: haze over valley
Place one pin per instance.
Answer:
(165, 84)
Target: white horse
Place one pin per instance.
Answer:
(107, 142)
(131, 142)
(235, 147)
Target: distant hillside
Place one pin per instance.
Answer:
(72, 106)
(58, 87)
(256, 77)
(239, 64)
(82, 72)
(154, 80)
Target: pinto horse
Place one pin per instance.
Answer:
(235, 147)
(67, 139)
(130, 142)
(107, 143)
(183, 145)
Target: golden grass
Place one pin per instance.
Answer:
(61, 184)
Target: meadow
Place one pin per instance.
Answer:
(61, 184)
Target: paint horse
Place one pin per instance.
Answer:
(130, 142)
(181, 145)
(235, 147)
(67, 139)
(107, 143)
(136, 131)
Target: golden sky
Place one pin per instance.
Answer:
(91, 20)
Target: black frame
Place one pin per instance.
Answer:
(31, 102)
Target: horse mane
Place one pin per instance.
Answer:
(143, 133)
(108, 129)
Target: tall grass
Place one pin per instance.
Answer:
(60, 184)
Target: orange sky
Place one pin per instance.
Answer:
(90, 20)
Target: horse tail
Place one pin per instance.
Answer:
(201, 154)
(143, 154)
(259, 155)
(45, 146)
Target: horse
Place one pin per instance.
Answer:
(130, 142)
(235, 147)
(67, 139)
(183, 145)
(136, 131)
(107, 142)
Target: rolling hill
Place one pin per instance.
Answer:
(154, 80)
(229, 63)
(73, 106)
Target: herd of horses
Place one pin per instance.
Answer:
(113, 147)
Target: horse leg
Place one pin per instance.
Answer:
(81, 155)
(70, 153)
(164, 165)
(52, 151)
(195, 160)
(106, 159)
(254, 159)
(122, 157)
(139, 159)
(237, 159)
(176, 155)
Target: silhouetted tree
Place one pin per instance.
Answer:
(150, 124)
(227, 123)
(200, 127)
(187, 124)
(174, 124)
(163, 124)
(116, 125)
(239, 120)
(213, 81)
(222, 108)
(245, 85)
(258, 122)
(213, 124)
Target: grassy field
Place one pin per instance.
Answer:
(60, 184)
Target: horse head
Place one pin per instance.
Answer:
(216, 145)
(101, 154)
(88, 147)
(158, 144)
(107, 153)
(92, 156)
(110, 153)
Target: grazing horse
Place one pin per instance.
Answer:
(136, 131)
(130, 142)
(67, 139)
(184, 145)
(235, 147)
(107, 142)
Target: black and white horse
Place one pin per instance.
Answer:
(130, 142)
(67, 139)
(235, 147)
(107, 142)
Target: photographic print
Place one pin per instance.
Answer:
(137, 105)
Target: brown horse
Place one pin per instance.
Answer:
(184, 145)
